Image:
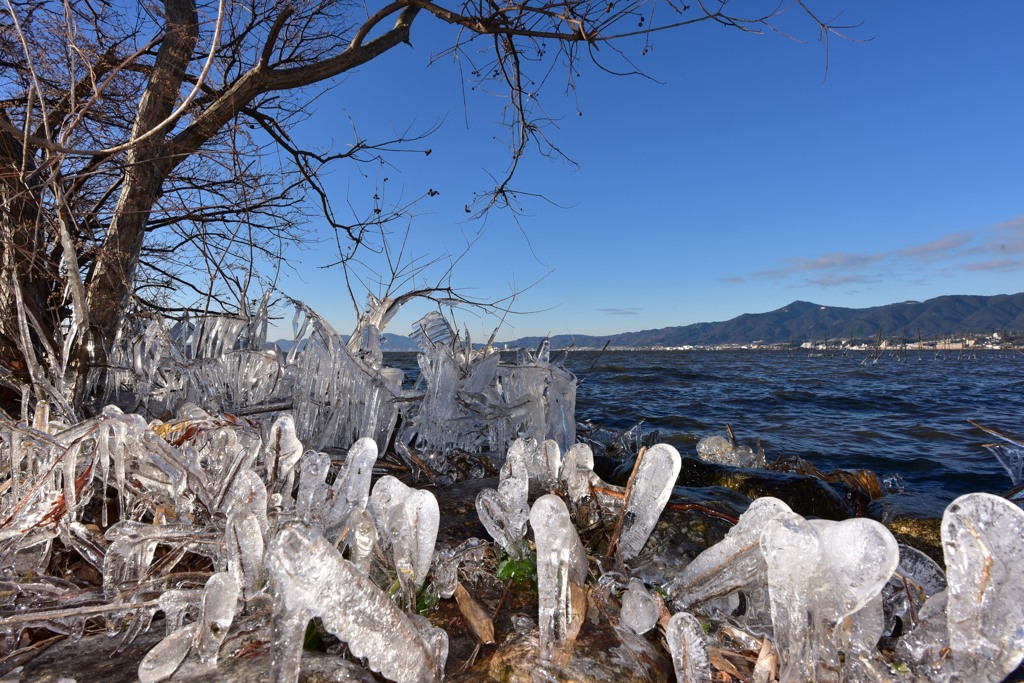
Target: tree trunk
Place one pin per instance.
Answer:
(148, 162)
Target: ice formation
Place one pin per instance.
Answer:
(408, 519)
(310, 579)
(685, 638)
(204, 637)
(472, 401)
(820, 573)
(1010, 453)
(723, 451)
(283, 450)
(824, 582)
(211, 519)
(244, 544)
(504, 513)
(561, 572)
(647, 494)
(351, 488)
(577, 472)
(982, 610)
(640, 611)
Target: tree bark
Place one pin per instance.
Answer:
(110, 285)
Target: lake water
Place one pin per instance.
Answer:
(907, 416)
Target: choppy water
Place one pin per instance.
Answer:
(907, 416)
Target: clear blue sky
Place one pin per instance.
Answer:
(737, 179)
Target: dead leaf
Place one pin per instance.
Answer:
(476, 616)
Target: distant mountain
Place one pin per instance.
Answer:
(803, 321)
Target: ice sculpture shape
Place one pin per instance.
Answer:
(388, 493)
(412, 527)
(733, 563)
(504, 514)
(518, 459)
(819, 573)
(220, 599)
(407, 521)
(352, 486)
(546, 463)
(561, 572)
(247, 492)
(311, 498)
(578, 471)
(163, 660)
(650, 489)
(309, 578)
(685, 638)
(244, 540)
(360, 539)
(282, 453)
(982, 541)
(640, 611)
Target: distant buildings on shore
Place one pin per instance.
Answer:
(965, 342)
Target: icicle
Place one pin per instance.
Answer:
(283, 450)
(360, 539)
(578, 471)
(220, 599)
(309, 578)
(685, 638)
(819, 573)
(352, 486)
(561, 572)
(244, 540)
(983, 544)
(651, 488)
(735, 562)
(388, 494)
(412, 529)
(311, 499)
(163, 660)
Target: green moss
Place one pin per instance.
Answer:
(524, 569)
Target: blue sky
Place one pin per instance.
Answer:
(736, 178)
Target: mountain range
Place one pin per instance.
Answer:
(803, 321)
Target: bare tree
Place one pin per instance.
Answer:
(133, 141)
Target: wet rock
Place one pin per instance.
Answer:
(807, 496)
(602, 654)
(914, 519)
